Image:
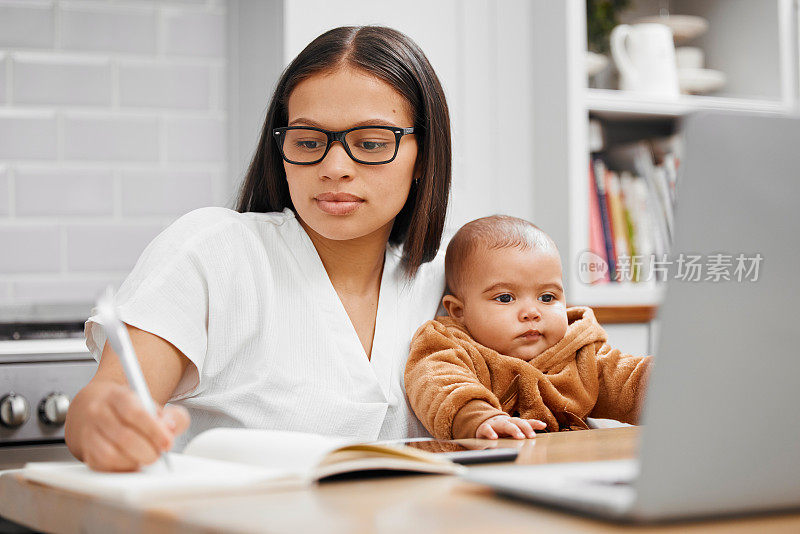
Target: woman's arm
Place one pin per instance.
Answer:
(108, 428)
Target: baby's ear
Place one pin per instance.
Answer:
(454, 307)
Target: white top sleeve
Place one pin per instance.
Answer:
(166, 295)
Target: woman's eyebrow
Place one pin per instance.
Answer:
(368, 122)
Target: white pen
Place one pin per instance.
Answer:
(121, 343)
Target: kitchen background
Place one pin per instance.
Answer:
(112, 123)
(119, 116)
(116, 117)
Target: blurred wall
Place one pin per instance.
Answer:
(112, 124)
(116, 117)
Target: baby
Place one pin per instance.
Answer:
(511, 358)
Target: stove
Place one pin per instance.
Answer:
(43, 321)
(44, 362)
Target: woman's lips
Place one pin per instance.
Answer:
(338, 203)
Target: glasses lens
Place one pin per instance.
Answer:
(374, 145)
(304, 145)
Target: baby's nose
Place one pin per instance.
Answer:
(529, 314)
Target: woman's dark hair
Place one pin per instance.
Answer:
(394, 58)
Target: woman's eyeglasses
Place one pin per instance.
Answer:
(370, 145)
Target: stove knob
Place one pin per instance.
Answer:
(53, 409)
(14, 410)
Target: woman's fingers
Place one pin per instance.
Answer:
(176, 418)
(103, 455)
(134, 445)
(130, 411)
(120, 435)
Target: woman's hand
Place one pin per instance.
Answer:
(113, 431)
(108, 428)
(513, 427)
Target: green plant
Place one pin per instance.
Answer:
(601, 17)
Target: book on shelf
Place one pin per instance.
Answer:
(597, 242)
(598, 172)
(632, 207)
(619, 216)
(640, 227)
(225, 460)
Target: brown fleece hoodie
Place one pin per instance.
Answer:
(454, 383)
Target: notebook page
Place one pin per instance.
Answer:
(296, 452)
(189, 476)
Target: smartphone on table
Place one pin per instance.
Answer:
(468, 451)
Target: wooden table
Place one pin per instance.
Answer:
(419, 504)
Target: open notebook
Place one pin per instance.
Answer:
(231, 459)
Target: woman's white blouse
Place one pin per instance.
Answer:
(246, 298)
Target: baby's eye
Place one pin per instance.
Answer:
(505, 298)
(547, 297)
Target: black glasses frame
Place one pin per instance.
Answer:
(279, 135)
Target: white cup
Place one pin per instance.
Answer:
(645, 58)
(689, 57)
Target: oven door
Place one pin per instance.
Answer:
(38, 380)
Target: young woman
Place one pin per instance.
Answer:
(294, 312)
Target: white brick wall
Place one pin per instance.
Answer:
(30, 248)
(109, 28)
(153, 84)
(27, 25)
(105, 137)
(27, 134)
(164, 193)
(5, 192)
(190, 139)
(49, 79)
(194, 34)
(49, 192)
(2, 78)
(112, 124)
(111, 247)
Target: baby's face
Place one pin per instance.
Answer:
(513, 300)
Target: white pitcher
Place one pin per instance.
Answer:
(645, 58)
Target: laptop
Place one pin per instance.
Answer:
(721, 418)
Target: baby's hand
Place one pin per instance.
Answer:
(513, 427)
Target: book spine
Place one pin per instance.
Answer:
(634, 222)
(661, 181)
(631, 226)
(602, 202)
(614, 254)
(618, 224)
(596, 243)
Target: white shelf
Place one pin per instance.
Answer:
(753, 42)
(612, 103)
(617, 295)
